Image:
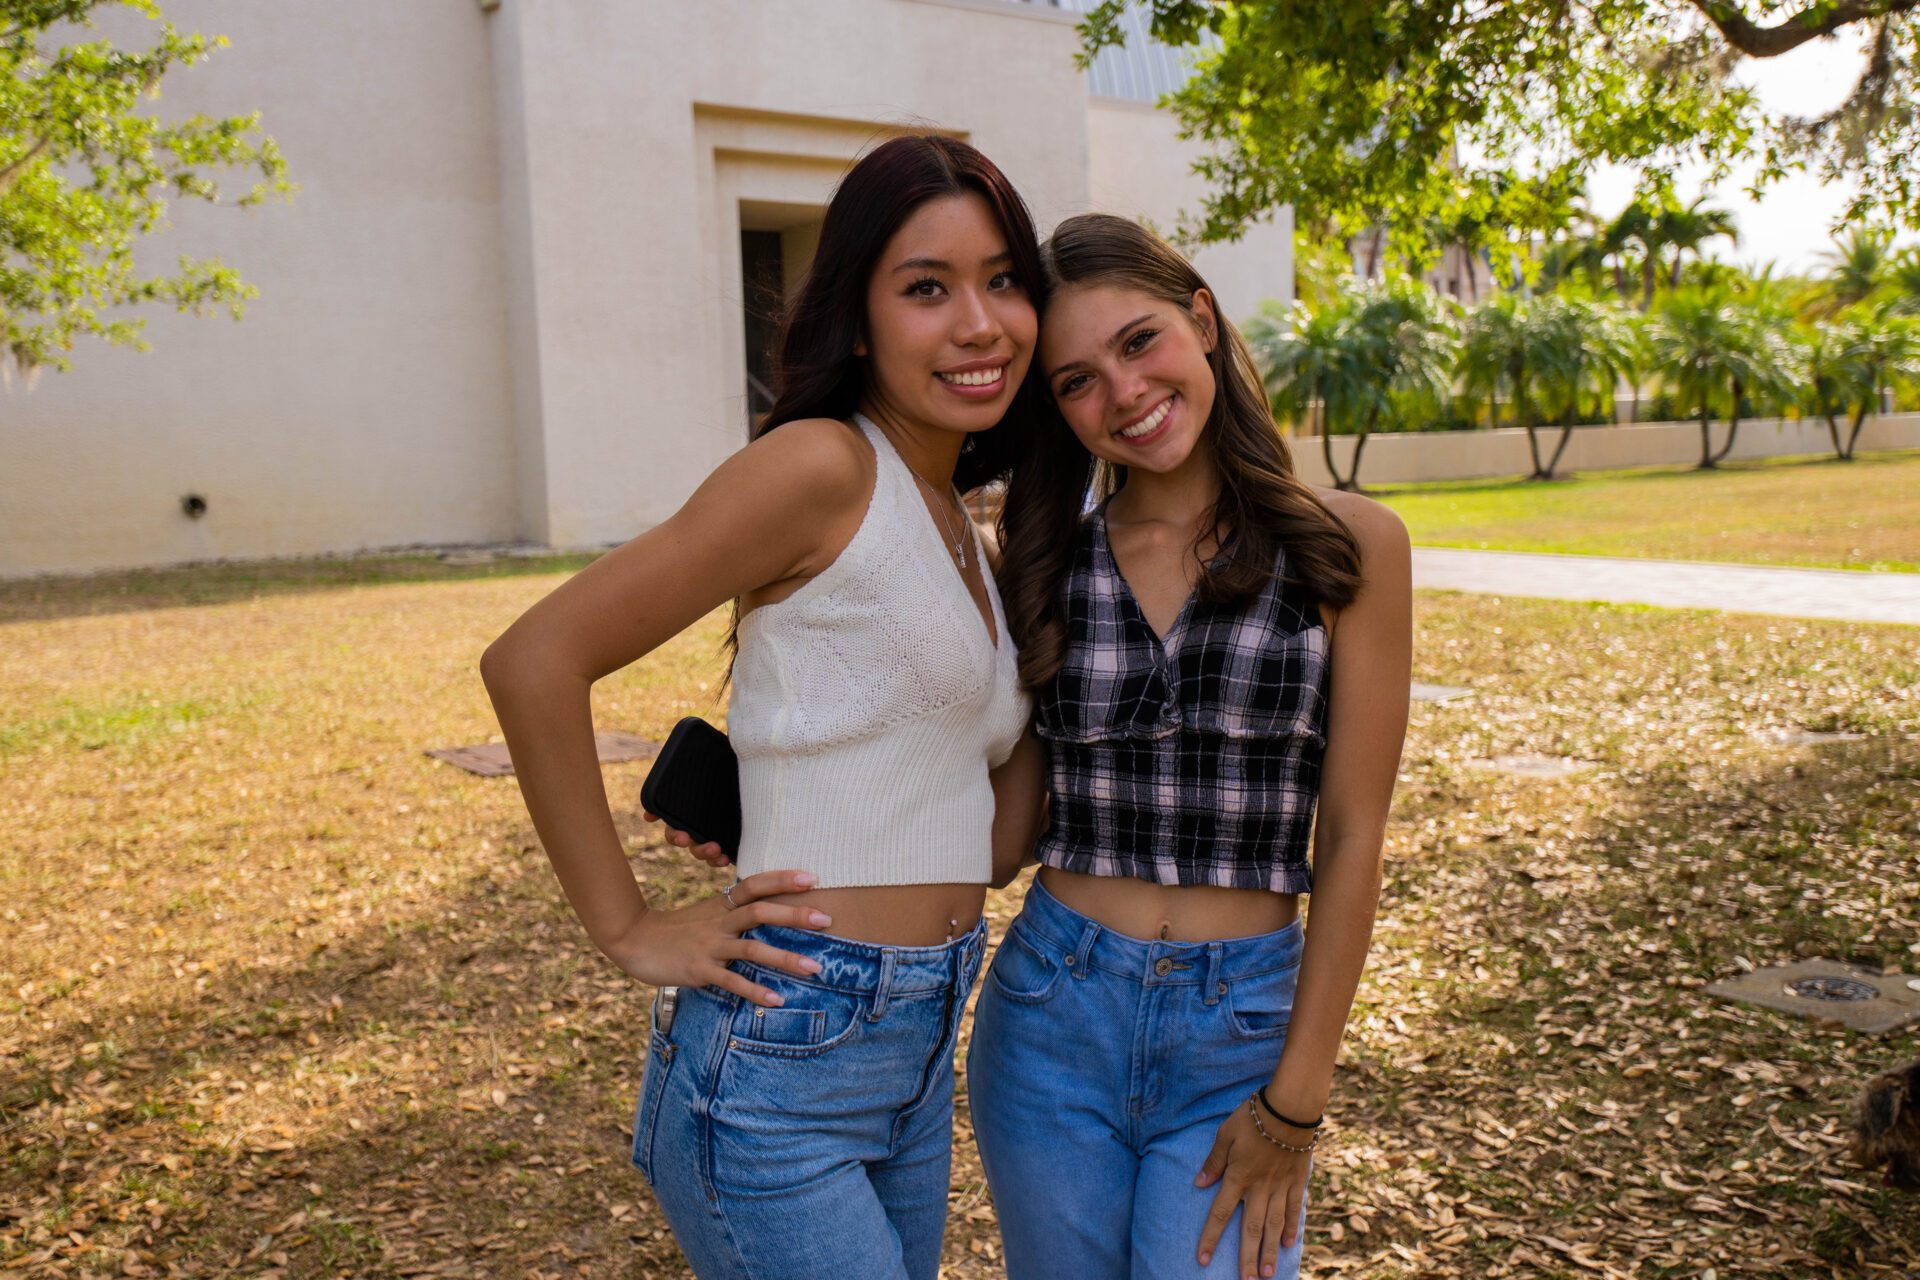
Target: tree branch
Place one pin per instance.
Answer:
(10, 173)
(1791, 32)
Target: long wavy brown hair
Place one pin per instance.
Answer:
(1265, 515)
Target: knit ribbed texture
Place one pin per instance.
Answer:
(868, 706)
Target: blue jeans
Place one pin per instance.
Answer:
(811, 1141)
(1100, 1071)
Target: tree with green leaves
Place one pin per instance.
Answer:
(1715, 355)
(1857, 266)
(86, 171)
(1852, 365)
(1373, 351)
(1550, 356)
(1352, 112)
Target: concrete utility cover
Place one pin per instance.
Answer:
(1829, 991)
(1437, 692)
(490, 759)
(1532, 766)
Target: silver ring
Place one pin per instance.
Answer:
(727, 893)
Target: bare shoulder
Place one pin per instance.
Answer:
(822, 460)
(1380, 532)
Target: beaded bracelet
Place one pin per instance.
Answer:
(1284, 1146)
(1262, 1095)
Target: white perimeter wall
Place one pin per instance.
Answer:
(1463, 455)
(364, 399)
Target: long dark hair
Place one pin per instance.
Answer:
(1263, 506)
(816, 374)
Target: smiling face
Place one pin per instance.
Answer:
(950, 328)
(1129, 372)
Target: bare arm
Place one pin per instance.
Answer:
(1371, 665)
(1019, 807)
(1366, 728)
(769, 514)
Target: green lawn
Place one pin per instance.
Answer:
(1796, 511)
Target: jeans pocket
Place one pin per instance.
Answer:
(653, 1085)
(1260, 1006)
(1022, 971)
(812, 1021)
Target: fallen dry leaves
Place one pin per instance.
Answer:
(281, 997)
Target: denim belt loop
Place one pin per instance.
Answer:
(1216, 960)
(889, 959)
(1084, 949)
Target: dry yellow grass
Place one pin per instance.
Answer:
(281, 996)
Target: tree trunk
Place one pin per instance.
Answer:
(1859, 420)
(1566, 434)
(1706, 437)
(1533, 447)
(1353, 477)
(1647, 272)
(1733, 426)
(1833, 431)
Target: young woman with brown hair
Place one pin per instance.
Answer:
(1219, 657)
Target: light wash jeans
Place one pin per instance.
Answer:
(812, 1141)
(1100, 1071)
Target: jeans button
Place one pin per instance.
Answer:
(1163, 966)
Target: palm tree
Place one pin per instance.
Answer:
(1496, 358)
(1837, 379)
(1884, 346)
(1713, 353)
(1857, 266)
(1685, 229)
(1634, 225)
(1375, 350)
(1588, 346)
(1902, 281)
(1546, 354)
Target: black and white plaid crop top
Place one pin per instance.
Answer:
(1190, 761)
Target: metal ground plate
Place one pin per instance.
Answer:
(1830, 991)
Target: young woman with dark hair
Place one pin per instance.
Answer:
(1219, 658)
(874, 687)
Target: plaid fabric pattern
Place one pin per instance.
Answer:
(1193, 760)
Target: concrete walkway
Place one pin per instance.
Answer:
(1674, 584)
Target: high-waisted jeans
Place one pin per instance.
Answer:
(1100, 1071)
(812, 1141)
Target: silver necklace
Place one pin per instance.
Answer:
(959, 542)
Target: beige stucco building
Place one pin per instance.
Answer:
(510, 302)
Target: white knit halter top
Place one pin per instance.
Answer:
(868, 706)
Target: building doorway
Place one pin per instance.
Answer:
(776, 247)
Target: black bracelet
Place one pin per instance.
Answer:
(1262, 1095)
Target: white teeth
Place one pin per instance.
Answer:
(977, 378)
(1150, 423)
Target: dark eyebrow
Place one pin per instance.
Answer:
(1114, 341)
(941, 264)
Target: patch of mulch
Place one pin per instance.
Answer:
(281, 997)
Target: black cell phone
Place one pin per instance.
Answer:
(694, 785)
